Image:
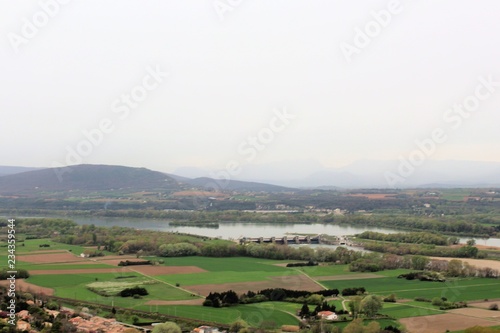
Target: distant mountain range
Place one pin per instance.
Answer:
(369, 174)
(10, 170)
(362, 174)
(96, 178)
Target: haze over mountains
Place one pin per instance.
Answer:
(366, 174)
(88, 178)
(270, 178)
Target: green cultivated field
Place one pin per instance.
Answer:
(243, 269)
(234, 264)
(404, 310)
(75, 286)
(254, 314)
(32, 245)
(457, 290)
(224, 270)
(219, 277)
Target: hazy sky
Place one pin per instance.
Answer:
(248, 82)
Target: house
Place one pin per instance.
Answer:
(327, 315)
(22, 325)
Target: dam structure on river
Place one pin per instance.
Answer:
(296, 239)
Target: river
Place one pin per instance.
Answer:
(235, 230)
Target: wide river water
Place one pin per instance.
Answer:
(235, 230)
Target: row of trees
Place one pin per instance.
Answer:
(409, 237)
(21, 273)
(229, 298)
(467, 251)
(451, 268)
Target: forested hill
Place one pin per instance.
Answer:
(120, 179)
(230, 185)
(87, 178)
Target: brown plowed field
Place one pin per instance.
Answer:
(165, 270)
(441, 323)
(297, 282)
(479, 263)
(78, 271)
(480, 313)
(26, 286)
(484, 305)
(50, 258)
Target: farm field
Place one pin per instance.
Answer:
(31, 245)
(178, 286)
(454, 290)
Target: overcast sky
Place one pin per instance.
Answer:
(330, 82)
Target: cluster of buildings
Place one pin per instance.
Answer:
(84, 323)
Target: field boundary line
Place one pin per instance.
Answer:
(168, 284)
(310, 278)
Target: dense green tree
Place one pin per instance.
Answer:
(304, 311)
(419, 262)
(355, 306)
(371, 305)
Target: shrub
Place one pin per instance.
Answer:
(422, 299)
(127, 292)
(437, 301)
(353, 291)
(493, 307)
